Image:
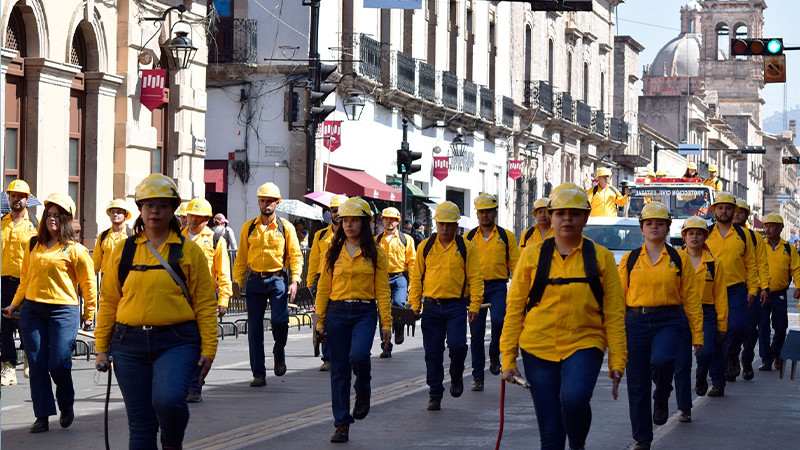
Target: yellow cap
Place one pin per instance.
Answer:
(695, 223)
(569, 196)
(650, 174)
(447, 212)
(712, 168)
(603, 172)
(391, 213)
(19, 187)
(741, 204)
(355, 207)
(773, 218)
(485, 201)
(199, 207)
(723, 197)
(541, 203)
(119, 204)
(156, 185)
(62, 200)
(661, 173)
(691, 166)
(182, 209)
(655, 210)
(269, 190)
(337, 201)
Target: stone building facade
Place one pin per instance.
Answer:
(781, 193)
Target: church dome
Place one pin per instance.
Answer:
(679, 58)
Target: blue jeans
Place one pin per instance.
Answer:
(683, 367)
(351, 330)
(752, 318)
(737, 310)
(711, 357)
(496, 295)
(653, 341)
(776, 308)
(399, 286)
(261, 291)
(49, 332)
(8, 350)
(153, 370)
(561, 392)
(440, 322)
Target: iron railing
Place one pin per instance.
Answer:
(370, 55)
(583, 114)
(599, 122)
(508, 112)
(450, 90)
(538, 94)
(470, 98)
(564, 107)
(427, 82)
(233, 41)
(406, 73)
(617, 130)
(487, 103)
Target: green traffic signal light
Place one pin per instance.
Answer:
(775, 46)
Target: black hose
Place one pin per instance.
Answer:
(106, 367)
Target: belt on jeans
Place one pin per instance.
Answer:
(653, 309)
(393, 274)
(154, 329)
(441, 301)
(10, 278)
(276, 273)
(738, 285)
(498, 281)
(778, 292)
(368, 302)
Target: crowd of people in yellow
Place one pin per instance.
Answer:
(556, 299)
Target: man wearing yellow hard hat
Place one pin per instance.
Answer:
(604, 197)
(215, 248)
(270, 262)
(118, 212)
(400, 253)
(498, 260)
(18, 227)
(784, 266)
(319, 247)
(732, 244)
(712, 179)
(541, 230)
(181, 213)
(453, 277)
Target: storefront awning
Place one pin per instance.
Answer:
(359, 183)
(215, 176)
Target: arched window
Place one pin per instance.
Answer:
(14, 99)
(77, 119)
(740, 32)
(723, 42)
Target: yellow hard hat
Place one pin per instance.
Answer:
(447, 212)
(485, 201)
(19, 187)
(661, 173)
(773, 218)
(741, 204)
(695, 223)
(541, 203)
(119, 204)
(270, 190)
(391, 213)
(182, 209)
(655, 210)
(156, 185)
(691, 166)
(355, 207)
(337, 201)
(62, 200)
(712, 168)
(723, 197)
(199, 207)
(603, 172)
(569, 196)
(650, 174)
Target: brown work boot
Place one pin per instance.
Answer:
(342, 434)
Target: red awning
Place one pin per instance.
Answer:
(359, 183)
(216, 176)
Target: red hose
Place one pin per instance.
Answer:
(502, 407)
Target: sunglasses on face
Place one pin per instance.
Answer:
(156, 205)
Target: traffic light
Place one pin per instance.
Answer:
(315, 109)
(405, 160)
(763, 47)
(790, 160)
(753, 149)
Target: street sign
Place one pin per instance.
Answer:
(782, 198)
(689, 149)
(775, 69)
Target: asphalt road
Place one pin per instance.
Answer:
(293, 411)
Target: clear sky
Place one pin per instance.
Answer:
(653, 23)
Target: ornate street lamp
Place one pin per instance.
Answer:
(459, 145)
(353, 105)
(181, 50)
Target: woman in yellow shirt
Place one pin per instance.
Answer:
(47, 297)
(353, 288)
(555, 316)
(656, 283)
(159, 324)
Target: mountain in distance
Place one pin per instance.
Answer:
(774, 123)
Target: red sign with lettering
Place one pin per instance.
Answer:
(332, 134)
(441, 167)
(154, 82)
(514, 168)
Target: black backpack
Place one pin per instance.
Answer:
(673, 256)
(542, 278)
(379, 237)
(596, 188)
(126, 261)
(462, 249)
(500, 231)
(739, 231)
(279, 223)
(528, 234)
(104, 234)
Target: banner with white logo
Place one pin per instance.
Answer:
(154, 83)
(441, 167)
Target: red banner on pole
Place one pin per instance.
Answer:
(332, 134)
(514, 168)
(441, 167)
(153, 83)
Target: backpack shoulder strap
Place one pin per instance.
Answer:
(323, 233)
(592, 272)
(402, 237)
(126, 261)
(462, 249)
(711, 227)
(379, 238)
(128, 230)
(753, 237)
(472, 233)
(741, 234)
(711, 269)
(675, 258)
(632, 257)
(252, 227)
(542, 273)
(32, 243)
(788, 248)
(595, 189)
(528, 235)
(104, 235)
(503, 237)
(425, 250)
(174, 256)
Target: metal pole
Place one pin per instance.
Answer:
(314, 79)
(655, 157)
(404, 189)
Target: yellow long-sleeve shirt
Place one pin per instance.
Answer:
(738, 257)
(219, 263)
(53, 275)
(151, 297)
(715, 182)
(400, 257)
(263, 250)
(355, 278)
(15, 239)
(567, 318)
(492, 253)
(783, 266)
(713, 290)
(605, 201)
(653, 285)
(762, 263)
(444, 274)
(319, 248)
(103, 248)
(536, 236)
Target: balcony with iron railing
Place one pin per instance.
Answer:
(538, 94)
(233, 41)
(617, 130)
(583, 115)
(405, 73)
(449, 90)
(599, 122)
(507, 112)
(487, 103)
(564, 108)
(426, 82)
(470, 102)
(369, 51)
